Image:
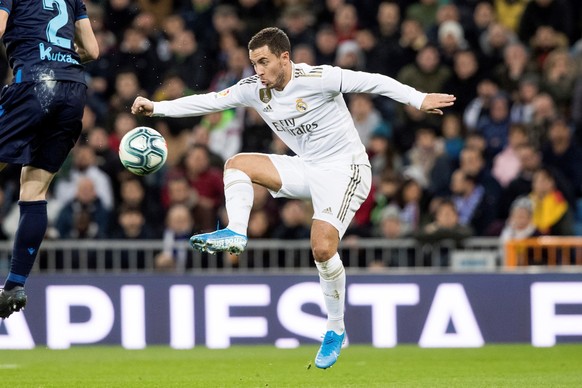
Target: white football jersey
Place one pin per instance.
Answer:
(309, 115)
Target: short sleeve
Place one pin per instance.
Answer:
(80, 10)
(6, 5)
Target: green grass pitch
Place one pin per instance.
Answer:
(266, 366)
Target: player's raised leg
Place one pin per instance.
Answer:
(332, 278)
(240, 172)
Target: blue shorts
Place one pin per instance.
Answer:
(40, 122)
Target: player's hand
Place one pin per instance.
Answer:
(142, 106)
(434, 101)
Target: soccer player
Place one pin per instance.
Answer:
(40, 114)
(304, 106)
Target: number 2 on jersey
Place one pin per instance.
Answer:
(56, 23)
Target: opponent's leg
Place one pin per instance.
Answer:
(29, 235)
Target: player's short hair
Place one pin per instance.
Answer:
(274, 38)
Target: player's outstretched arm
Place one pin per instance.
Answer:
(142, 106)
(434, 101)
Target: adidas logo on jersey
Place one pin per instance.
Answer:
(327, 210)
(267, 109)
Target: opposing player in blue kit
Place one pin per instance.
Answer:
(47, 42)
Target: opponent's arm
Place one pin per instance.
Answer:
(3, 20)
(85, 41)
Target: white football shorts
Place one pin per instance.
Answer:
(337, 190)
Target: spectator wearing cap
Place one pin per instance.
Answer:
(520, 224)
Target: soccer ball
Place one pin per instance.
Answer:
(143, 151)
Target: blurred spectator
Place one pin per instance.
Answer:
(296, 21)
(383, 156)
(179, 226)
(190, 61)
(345, 22)
(172, 128)
(520, 224)
(482, 17)
(84, 166)
(493, 43)
(508, 12)
(453, 131)
(424, 11)
(387, 32)
(294, 222)
(522, 109)
(553, 13)
(495, 125)
(122, 123)
(133, 195)
(427, 72)
(471, 202)
(410, 200)
(412, 39)
(259, 226)
(559, 76)
(385, 194)
(302, 53)
(205, 180)
(256, 136)
(530, 160)
(445, 13)
(515, 66)
(371, 51)
(472, 163)
(84, 216)
(120, 14)
(107, 159)
(563, 153)
(367, 119)
(177, 191)
(224, 132)
(551, 213)
(506, 164)
(463, 83)
(391, 225)
(126, 89)
(199, 16)
(137, 55)
(427, 148)
(131, 225)
(451, 39)
(544, 113)
(325, 45)
(444, 229)
(350, 56)
(544, 42)
(478, 107)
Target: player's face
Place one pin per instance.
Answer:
(274, 71)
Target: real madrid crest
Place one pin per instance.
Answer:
(265, 95)
(300, 105)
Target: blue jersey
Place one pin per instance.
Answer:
(39, 39)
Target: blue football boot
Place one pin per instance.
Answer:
(219, 241)
(329, 350)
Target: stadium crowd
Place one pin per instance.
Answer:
(503, 161)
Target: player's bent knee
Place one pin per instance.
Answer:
(323, 251)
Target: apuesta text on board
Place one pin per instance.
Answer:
(453, 310)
